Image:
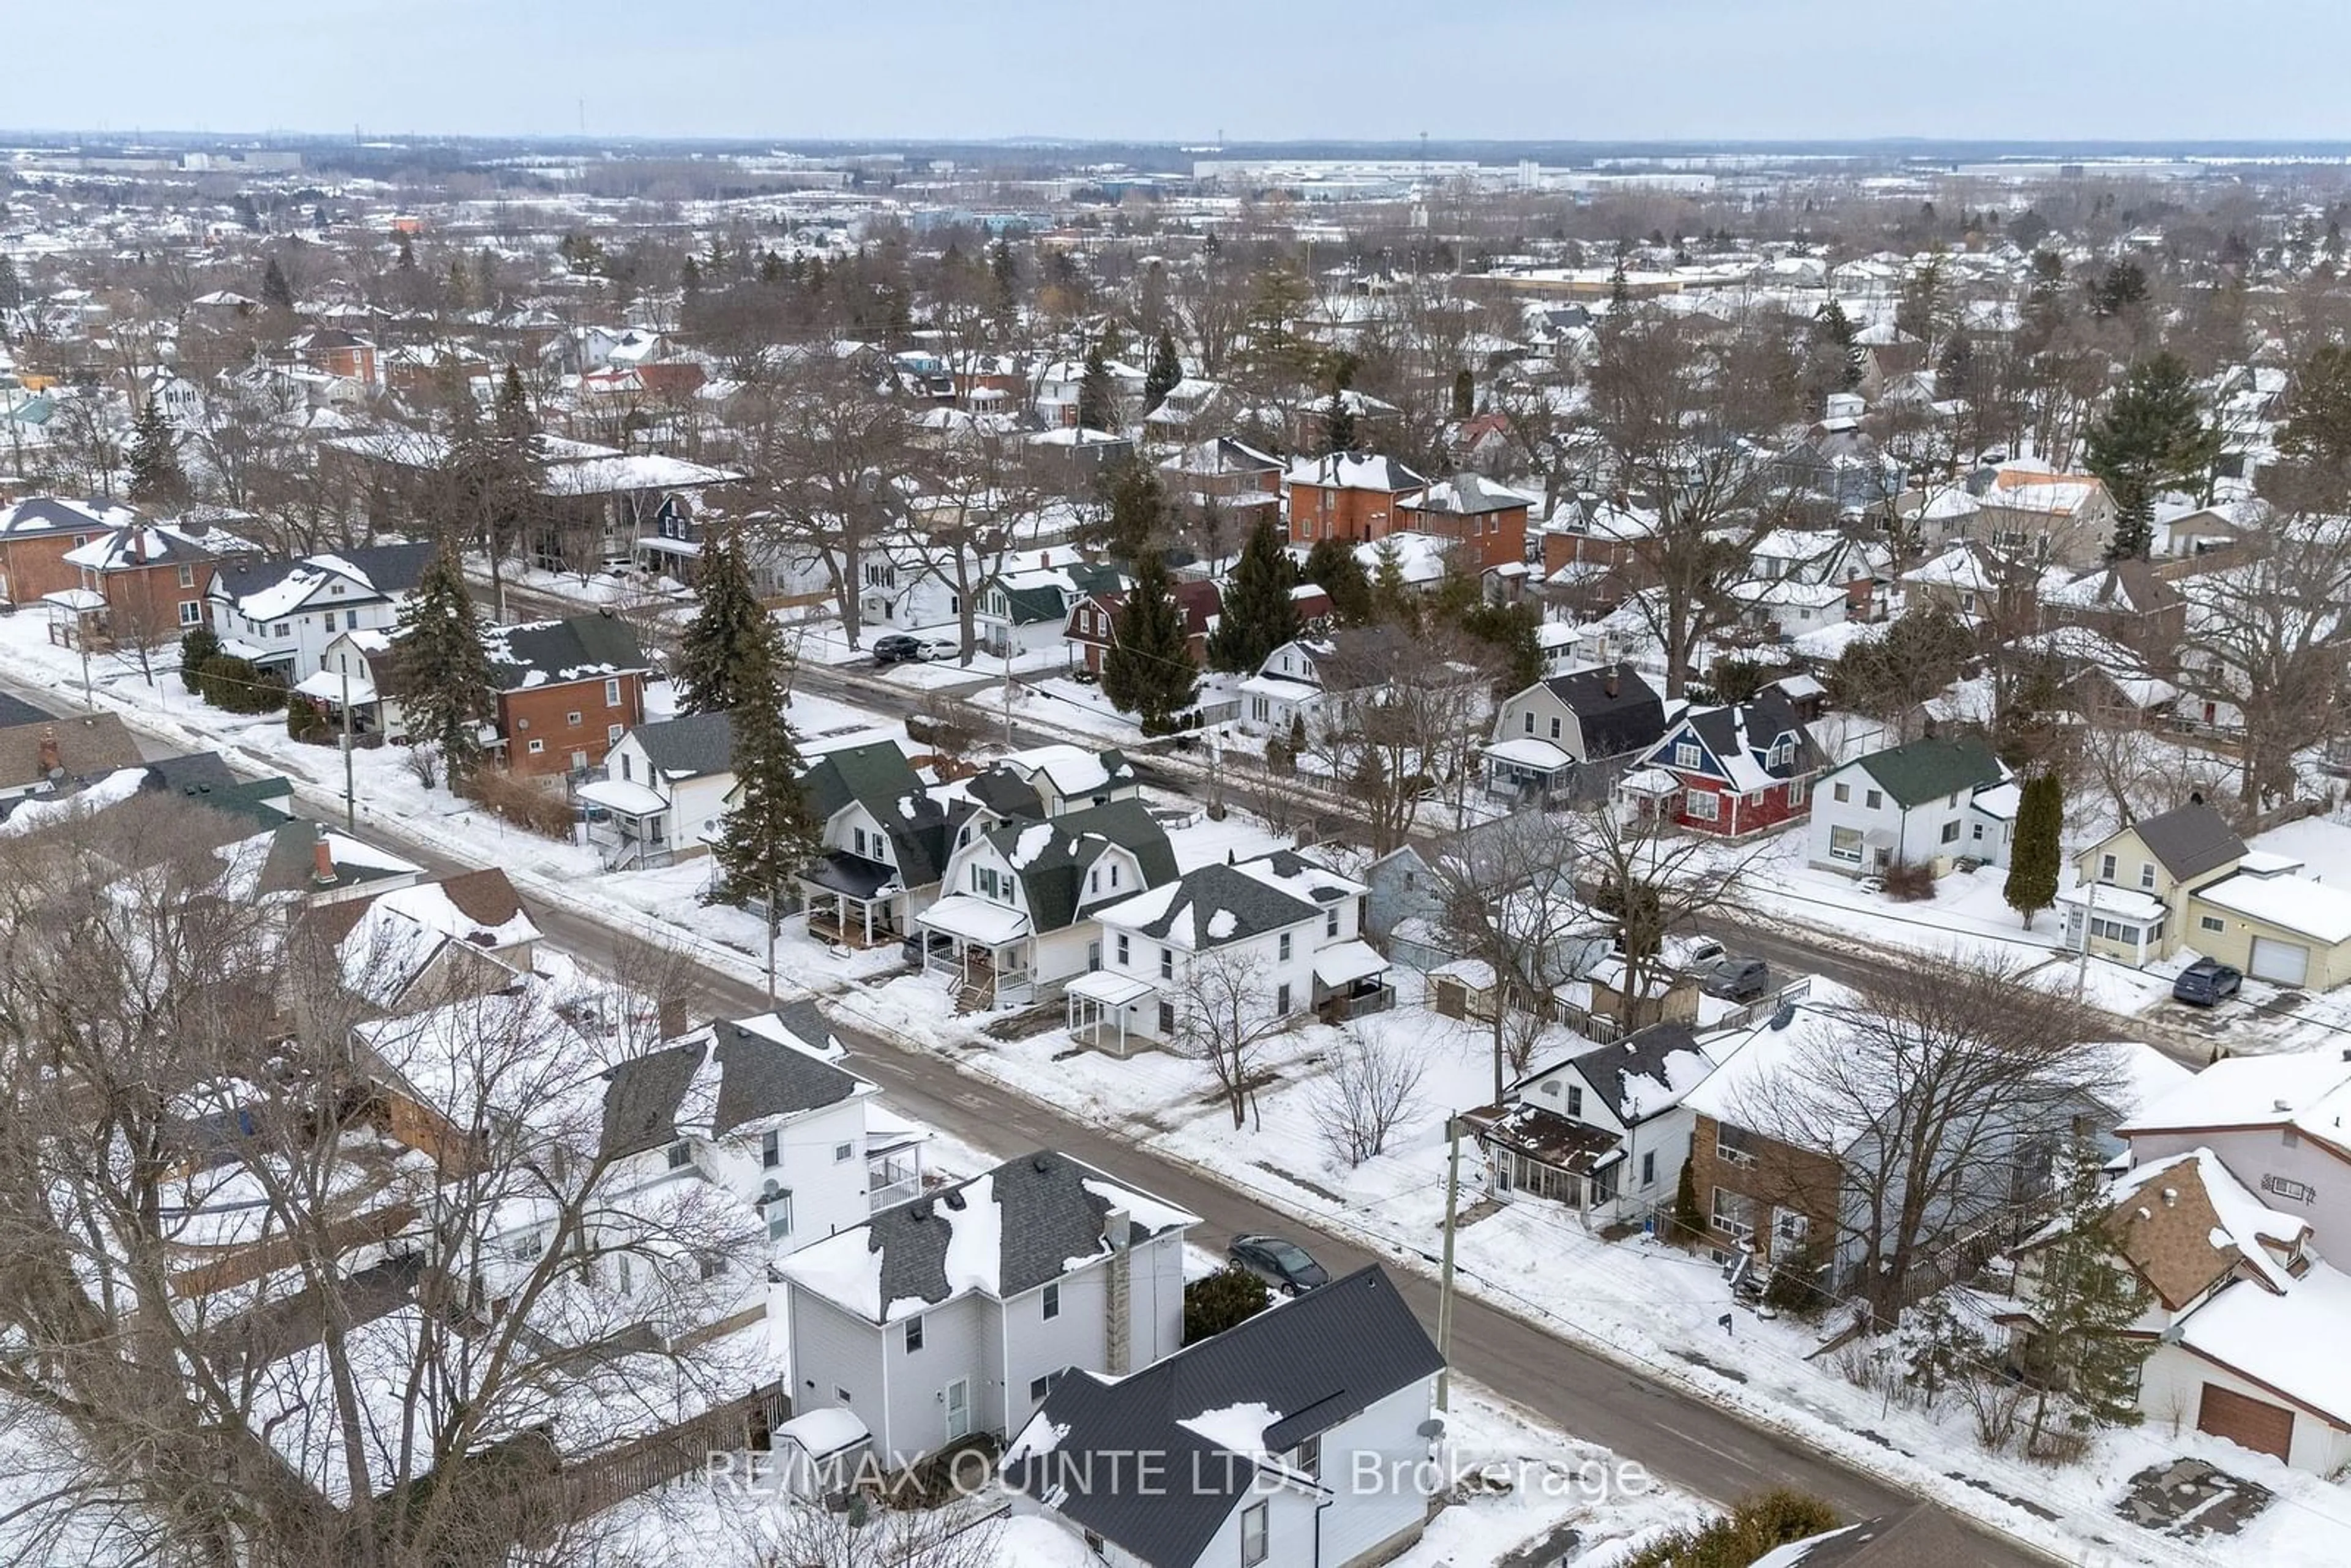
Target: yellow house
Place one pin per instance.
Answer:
(2131, 889)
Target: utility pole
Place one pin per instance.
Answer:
(1008, 696)
(2089, 930)
(351, 803)
(1444, 1276)
(772, 893)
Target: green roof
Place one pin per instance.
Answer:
(1928, 769)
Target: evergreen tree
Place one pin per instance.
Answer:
(2082, 1302)
(731, 635)
(1832, 331)
(1620, 289)
(1134, 510)
(1148, 671)
(1259, 613)
(442, 673)
(1465, 393)
(1690, 1220)
(2152, 438)
(2034, 856)
(501, 471)
(407, 261)
(1004, 279)
(275, 292)
(199, 646)
(1331, 567)
(1097, 399)
(458, 288)
(1392, 597)
(1166, 371)
(771, 270)
(156, 477)
(689, 280)
(2317, 426)
(770, 834)
(2123, 286)
(12, 288)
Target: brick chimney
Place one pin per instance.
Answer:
(53, 762)
(1117, 1232)
(322, 861)
(1608, 685)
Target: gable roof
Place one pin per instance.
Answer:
(1738, 738)
(1619, 711)
(38, 514)
(2189, 839)
(877, 776)
(761, 1076)
(1212, 906)
(691, 747)
(1308, 1365)
(1051, 857)
(1933, 768)
(643, 1096)
(2186, 1222)
(1354, 471)
(552, 653)
(1645, 1074)
(1007, 1231)
(88, 746)
(263, 590)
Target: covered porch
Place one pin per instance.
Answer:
(853, 900)
(985, 955)
(1525, 769)
(77, 620)
(629, 822)
(893, 1158)
(330, 690)
(1100, 1005)
(1351, 981)
(2114, 922)
(1542, 1153)
(1649, 796)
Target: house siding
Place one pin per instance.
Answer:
(1782, 1176)
(2276, 1169)
(1379, 1503)
(2171, 1392)
(959, 1340)
(830, 1350)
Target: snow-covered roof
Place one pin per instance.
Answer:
(2303, 1089)
(2307, 908)
(2273, 1339)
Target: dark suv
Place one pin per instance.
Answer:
(1738, 979)
(2206, 982)
(896, 648)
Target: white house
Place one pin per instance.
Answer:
(1296, 926)
(1925, 803)
(957, 1313)
(666, 790)
(1286, 687)
(1298, 1437)
(281, 615)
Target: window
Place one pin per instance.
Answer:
(1093, 880)
(536, 747)
(612, 735)
(776, 1202)
(1124, 950)
(1575, 1100)
(187, 577)
(624, 767)
(1253, 1543)
(771, 1149)
(2147, 875)
(1530, 723)
(1307, 1457)
(1872, 800)
(2106, 868)
(840, 1395)
(1977, 834)
(1796, 788)
(1167, 1019)
(1038, 1389)
(2212, 923)
(914, 1335)
(1167, 962)
(1844, 793)
(843, 1153)
(1283, 947)
(1053, 1300)
(191, 613)
(1702, 805)
(1686, 754)
(1845, 844)
(350, 619)
(1554, 729)
(857, 840)
(281, 630)
(1649, 1168)
(1282, 1001)
(681, 1155)
(1950, 832)
(1789, 1227)
(1730, 1146)
(1729, 1215)
(1330, 921)
(1114, 867)
(571, 719)
(612, 692)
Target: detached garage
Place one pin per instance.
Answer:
(2248, 1423)
(2286, 930)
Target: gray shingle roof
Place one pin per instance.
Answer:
(879, 777)
(1052, 873)
(760, 1078)
(549, 653)
(1317, 1361)
(1627, 719)
(2190, 840)
(393, 570)
(690, 747)
(1251, 907)
(641, 1105)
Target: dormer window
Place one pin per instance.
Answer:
(1686, 754)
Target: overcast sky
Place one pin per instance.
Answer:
(1258, 69)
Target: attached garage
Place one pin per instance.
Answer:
(2280, 962)
(2248, 1423)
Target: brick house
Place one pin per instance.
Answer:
(153, 575)
(1486, 523)
(566, 691)
(1093, 621)
(39, 532)
(1733, 770)
(1347, 496)
(333, 351)
(1754, 1188)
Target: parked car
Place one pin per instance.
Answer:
(2206, 982)
(1284, 1265)
(1738, 979)
(896, 648)
(928, 648)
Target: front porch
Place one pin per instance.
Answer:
(332, 690)
(1524, 770)
(1101, 1006)
(987, 953)
(632, 829)
(2115, 922)
(853, 900)
(77, 620)
(1351, 981)
(1535, 1153)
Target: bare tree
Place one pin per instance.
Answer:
(1370, 1083)
(1400, 720)
(1225, 1018)
(1944, 1090)
(1647, 886)
(808, 1535)
(1507, 897)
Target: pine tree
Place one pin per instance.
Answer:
(2082, 1302)
(1259, 614)
(156, 477)
(1135, 513)
(442, 673)
(1689, 1223)
(2034, 856)
(407, 261)
(1004, 278)
(1332, 566)
(1148, 671)
(1338, 423)
(1097, 400)
(772, 272)
(275, 292)
(731, 635)
(1166, 371)
(1465, 393)
(1620, 289)
(1392, 597)
(689, 280)
(2153, 438)
(770, 834)
(12, 288)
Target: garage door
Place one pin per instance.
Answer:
(2254, 1423)
(2286, 963)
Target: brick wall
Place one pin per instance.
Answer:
(1779, 1178)
(544, 715)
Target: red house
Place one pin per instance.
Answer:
(567, 690)
(1486, 522)
(1734, 770)
(1351, 495)
(1092, 627)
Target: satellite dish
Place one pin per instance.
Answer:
(1432, 1429)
